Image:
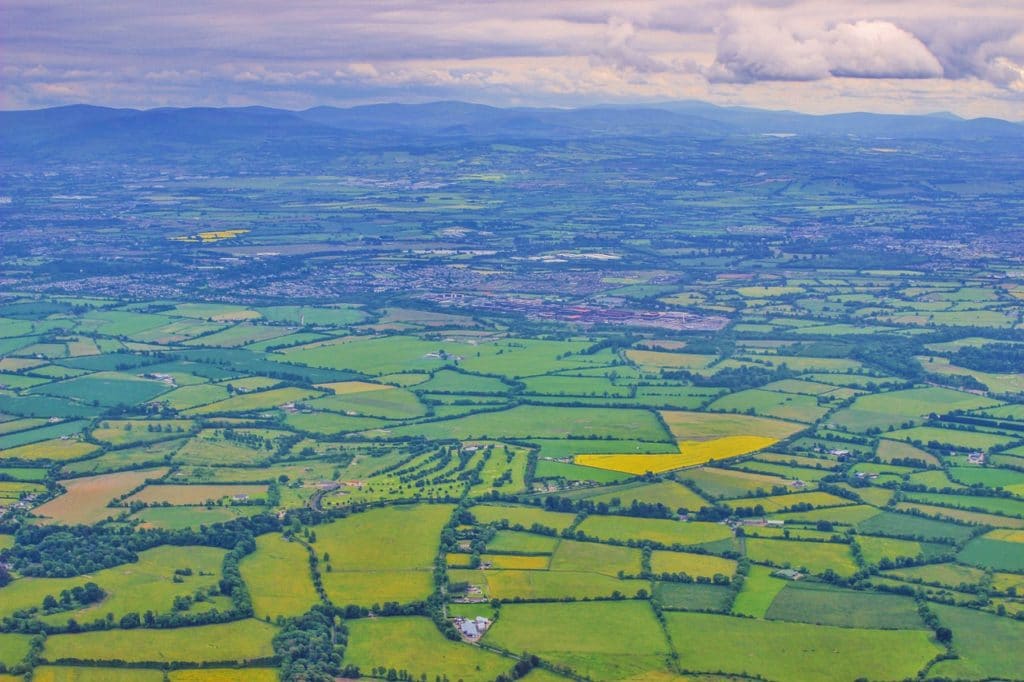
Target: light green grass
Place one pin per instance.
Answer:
(415, 645)
(381, 555)
(816, 557)
(278, 578)
(588, 637)
(982, 640)
(659, 530)
(236, 641)
(796, 652)
(595, 557)
(146, 585)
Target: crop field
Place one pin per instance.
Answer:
(1005, 506)
(366, 568)
(94, 674)
(591, 556)
(981, 642)
(108, 388)
(889, 450)
(728, 483)
(50, 450)
(195, 494)
(774, 503)
(273, 574)
(587, 638)
(261, 400)
(602, 390)
(796, 651)
(13, 648)
(669, 493)
(414, 645)
(210, 447)
(693, 597)
(178, 518)
(548, 585)
(152, 454)
(522, 516)
(816, 557)
(952, 575)
(875, 549)
(657, 530)
(759, 591)
(970, 440)
(511, 541)
(693, 565)
(87, 498)
(994, 554)
(530, 421)
(516, 563)
(123, 431)
(692, 453)
(812, 603)
(905, 525)
(145, 585)
(238, 641)
(890, 409)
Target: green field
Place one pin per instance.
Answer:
(820, 605)
(727, 483)
(993, 554)
(693, 596)
(381, 555)
(237, 641)
(591, 556)
(276, 580)
(658, 530)
(669, 493)
(13, 648)
(531, 421)
(146, 585)
(796, 651)
(588, 638)
(414, 645)
(527, 543)
(982, 640)
(522, 516)
(549, 585)
(816, 557)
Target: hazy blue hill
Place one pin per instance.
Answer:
(81, 132)
(931, 126)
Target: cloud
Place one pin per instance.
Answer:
(754, 47)
(555, 52)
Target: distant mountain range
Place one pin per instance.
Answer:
(78, 131)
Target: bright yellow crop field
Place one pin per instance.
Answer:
(58, 450)
(1006, 535)
(691, 453)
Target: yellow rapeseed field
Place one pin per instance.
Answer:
(207, 237)
(1006, 535)
(691, 453)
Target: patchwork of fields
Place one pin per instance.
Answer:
(207, 487)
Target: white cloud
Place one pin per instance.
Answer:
(755, 46)
(556, 52)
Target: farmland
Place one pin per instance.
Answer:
(657, 406)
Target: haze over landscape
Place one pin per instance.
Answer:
(564, 341)
(898, 57)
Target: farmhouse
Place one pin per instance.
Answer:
(788, 574)
(976, 458)
(472, 628)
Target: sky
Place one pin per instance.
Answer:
(824, 56)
